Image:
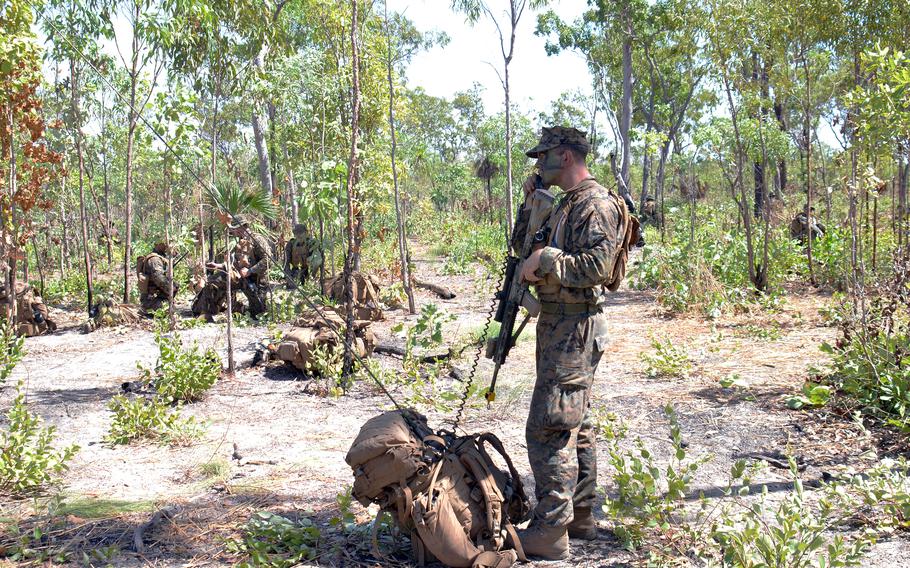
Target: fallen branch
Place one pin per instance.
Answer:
(400, 352)
(440, 291)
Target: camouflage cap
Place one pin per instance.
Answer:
(556, 136)
(238, 221)
(299, 229)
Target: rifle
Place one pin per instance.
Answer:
(515, 293)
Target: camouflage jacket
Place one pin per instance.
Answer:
(156, 271)
(586, 232)
(298, 250)
(260, 258)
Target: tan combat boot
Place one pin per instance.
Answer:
(583, 526)
(549, 543)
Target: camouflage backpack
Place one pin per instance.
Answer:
(142, 281)
(365, 292)
(311, 332)
(447, 493)
(631, 231)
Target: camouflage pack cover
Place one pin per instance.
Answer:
(366, 295)
(109, 313)
(448, 495)
(312, 331)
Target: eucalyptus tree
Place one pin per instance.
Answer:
(75, 28)
(27, 165)
(514, 10)
(606, 29)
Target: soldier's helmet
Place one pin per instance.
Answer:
(160, 248)
(299, 229)
(556, 136)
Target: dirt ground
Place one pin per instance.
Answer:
(292, 442)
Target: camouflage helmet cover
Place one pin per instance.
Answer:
(160, 247)
(299, 229)
(556, 136)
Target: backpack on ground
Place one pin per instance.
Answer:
(448, 494)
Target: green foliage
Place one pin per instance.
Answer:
(151, 419)
(666, 361)
(871, 367)
(182, 375)
(11, 349)
(648, 494)
(271, 540)
(709, 273)
(28, 460)
(792, 534)
(813, 396)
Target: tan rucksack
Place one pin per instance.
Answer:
(312, 331)
(448, 494)
(142, 281)
(630, 236)
(365, 291)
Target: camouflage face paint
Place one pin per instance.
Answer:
(550, 166)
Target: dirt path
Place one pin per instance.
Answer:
(293, 443)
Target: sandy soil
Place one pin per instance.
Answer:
(293, 442)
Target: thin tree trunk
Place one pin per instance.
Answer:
(77, 139)
(292, 185)
(10, 276)
(781, 180)
(348, 361)
(228, 268)
(807, 132)
(625, 113)
(265, 175)
(130, 141)
(399, 214)
(171, 318)
(109, 221)
(508, 152)
(39, 264)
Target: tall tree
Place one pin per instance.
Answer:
(474, 9)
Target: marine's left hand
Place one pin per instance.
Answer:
(530, 266)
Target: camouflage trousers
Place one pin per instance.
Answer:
(211, 299)
(560, 432)
(297, 275)
(152, 301)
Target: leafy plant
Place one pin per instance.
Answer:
(271, 540)
(813, 396)
(28, 460)
(648, 495)
(182, 375)
(11, 350)
(150, 419)
(792, 534)
(666, 360)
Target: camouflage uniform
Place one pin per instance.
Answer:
(586, 232)
(155, 294)
(252, 253)
(803, 226)
(301, 259)
(31, 313)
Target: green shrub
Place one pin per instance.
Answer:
(28, 460)
(150, 419)
(182, 375)
(666, 360)
(272, 540)
(648, 494)
(11, 350)
(794, 533)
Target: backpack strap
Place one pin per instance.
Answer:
(513, 538)
(491, 439)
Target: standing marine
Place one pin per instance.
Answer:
(582, 260)
(301, 257)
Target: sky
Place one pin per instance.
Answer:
(473, 51)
